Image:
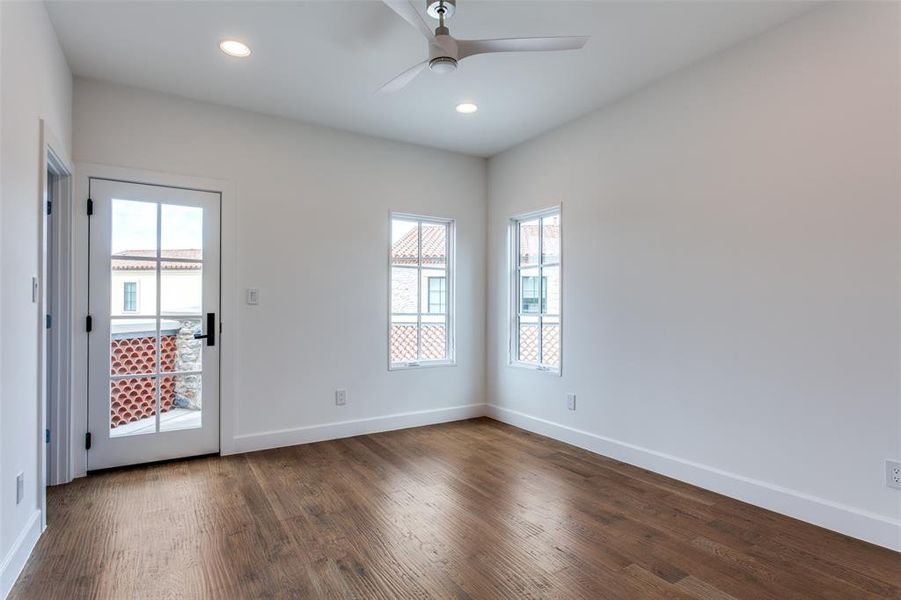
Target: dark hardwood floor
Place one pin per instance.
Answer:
(474, 509)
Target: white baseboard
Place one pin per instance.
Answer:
(343, 429)
(18, 554)
(850, 521)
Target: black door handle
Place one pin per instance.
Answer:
(210, 335)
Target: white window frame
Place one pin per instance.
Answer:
(515, 282)
(449, 286)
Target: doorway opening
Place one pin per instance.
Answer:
(53, 294)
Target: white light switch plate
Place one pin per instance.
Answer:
(253, 296)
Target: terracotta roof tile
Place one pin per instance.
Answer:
(123, 264)
(434, 246)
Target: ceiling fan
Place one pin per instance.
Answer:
(445, 51)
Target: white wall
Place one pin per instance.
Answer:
(36, 84)
(312, 232)
(731, 272)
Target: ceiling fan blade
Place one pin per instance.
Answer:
(403, 79)
(406, 10)
(540, 44)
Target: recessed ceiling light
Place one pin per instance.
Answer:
(235, 48)
(467, 108)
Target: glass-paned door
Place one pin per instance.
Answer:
(154, 305)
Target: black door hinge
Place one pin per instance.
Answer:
(49, 321)
(49, 206)
(46, 436)
(87, 441)
(88, 323)
(90, 207)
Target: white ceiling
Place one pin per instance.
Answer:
(320, 61)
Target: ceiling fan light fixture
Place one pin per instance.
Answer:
(443, 64)
(467, 108)
(235, 48)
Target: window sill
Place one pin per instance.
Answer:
(426, 364)
(537, 368)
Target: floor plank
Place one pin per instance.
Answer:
(474, 509)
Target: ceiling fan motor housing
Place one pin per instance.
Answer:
(443, 64)
(443, 53)
(437, 8)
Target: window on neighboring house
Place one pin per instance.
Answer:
(130, 296)
(437, 295)
(421, 304)
(531, 301)
(535, 336)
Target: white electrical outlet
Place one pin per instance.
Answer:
(571, 401)
(20, 487)
(340, 397)
(893, 474)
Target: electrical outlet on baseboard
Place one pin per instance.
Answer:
(340, 397)
(893, 474)
(571, 401)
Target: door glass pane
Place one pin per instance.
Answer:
(528, 242)
(132, 406)
(403, 289)
(530, 291)
(550, 341)
(434, 337)
(134, 228)
(181, 288)
(550, 231)
(434, 244)
(132, 346)
(551, 290)
(132, 287)
(180, 402)
(181, 232)
(403, 338)
(156, 294)
(404, 242)
(528, 339)
(179, 350)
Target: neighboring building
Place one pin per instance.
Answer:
(433, 296)
(133, 341)
(134, 283)
(539, 296)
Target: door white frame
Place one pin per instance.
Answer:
(54, 159)
(230, 343)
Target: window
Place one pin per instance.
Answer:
(130, 296)
(437, 295)
(535, 336)
(530, 298)
(421, 304)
